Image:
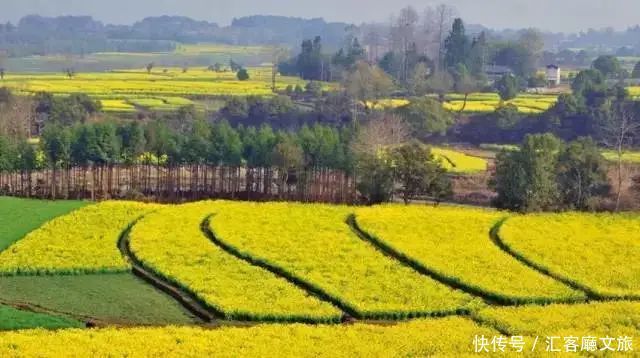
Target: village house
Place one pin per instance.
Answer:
(496, 72)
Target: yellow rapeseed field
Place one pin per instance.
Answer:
(171, 243)
(455, 242)
(161, 89)
(471, 107)
(313, 243)
(458, 162)
(387, 103)
(627, 156)
(488, 102)
(84, 241)
(634, 91)
(420, 338)
(598, 319)
(116, 105)
(597, 251)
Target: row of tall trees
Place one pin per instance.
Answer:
(377, 154)
(156, 142)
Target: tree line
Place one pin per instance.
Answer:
(156, 142)
(377, 152)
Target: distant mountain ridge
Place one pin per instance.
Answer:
(38, 35)
(82, 34)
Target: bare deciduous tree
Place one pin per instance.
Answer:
(618, 132)
(380, 132)
(373, 40)
(403, 32)
(17, 117)
(533, 41)
(437, 22)
(69, 68)
(278, 54)
(3, 63)
(366, 84)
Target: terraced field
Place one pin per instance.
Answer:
(493, 274)
(488, 102)
(632, 157)
(599, 319)
(59, 301)
(170, 242)
(14, 319)
(449, 336)
(455, 245)
(20, 216)
(628, 156)
(600, 259)
(167, 88)
(479, 103)
(332, 260)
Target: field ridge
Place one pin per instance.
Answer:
(310, 287)
(350, 312)
(495, 237)
(488, 296)
(591, 293)
(252, 295)
(183, 297)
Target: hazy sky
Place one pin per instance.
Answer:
(563, 15)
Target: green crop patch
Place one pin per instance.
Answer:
(18, 217)
(108, 299)
(13, 319)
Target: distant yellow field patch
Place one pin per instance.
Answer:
(489, 102)
(627, 156)
(162, 88)
(116, 105)
(634, 91)
(389, 103)
(458, 162)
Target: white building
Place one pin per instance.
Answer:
(553, 75)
